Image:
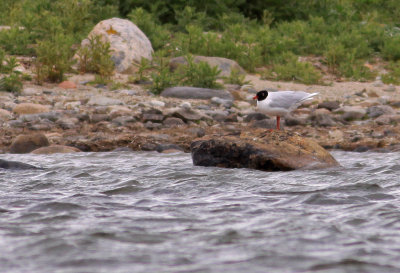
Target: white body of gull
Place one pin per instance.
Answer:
(280, 103)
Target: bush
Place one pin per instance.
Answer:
(391, 48)
(199, 74)
(393, 75)
(54, 57)
(96, 57)
(12, 82)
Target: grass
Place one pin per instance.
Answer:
(343, 34)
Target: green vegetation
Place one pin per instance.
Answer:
(343, 35)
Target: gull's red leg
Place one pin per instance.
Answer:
(278, 120)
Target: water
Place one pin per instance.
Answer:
(150, 212)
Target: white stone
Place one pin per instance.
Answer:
(103, 101)
(157, 103)
(127, 42)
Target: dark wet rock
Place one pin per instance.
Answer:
(27, 143)
(225, 65)
(172, 122)
(330, 105)
(53, 149)
(378, 110)
(149, 146)
(231, 118)
(83, 117)
(5, 164)
(275, 151)
(122, 149)
(162, 148)
(362, 149)
(255, 116)
(185, 92)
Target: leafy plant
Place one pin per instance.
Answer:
(95, 57)
(199, 74)
(161, 76)
(12, 82)
(10, 64)
(236, 77)
(143, 67)
(393, 75)
(55, 57)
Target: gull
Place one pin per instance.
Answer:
(280, 103)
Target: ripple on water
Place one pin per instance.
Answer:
(150, 212)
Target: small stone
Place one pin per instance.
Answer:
(172, 122)
(378, 110)
(103, 101)
(27, 143)
(157, 103)
(95, 118)
(390, 88)
(30, 91)
(67, 85)
(255, 116)
(330, 105)
(30, 108)
(67, 123)
(5, 115)
(222, 102)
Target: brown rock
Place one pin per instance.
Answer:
(30, 108)
(27, 143)
(67, 85)
(275, 151)
(55, 149)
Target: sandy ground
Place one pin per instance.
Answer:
(334, 91)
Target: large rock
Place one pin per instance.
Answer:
(225, 65)
(27, 143)
(55, 149)
(127, 42)
(185, 92)
(30, 108)
(274, 151)
(379, 110)
(6, 164)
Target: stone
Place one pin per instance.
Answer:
(157, 103)
(243, 105)
(172, 122)
(390, 88)
(168, 148)
(5, 115)
(187, 115)
(153, 118)
(123, 120)
(266, 124)
(330, 105)
(275, 151)
(67, 123)
(351, 112)
(67, 85)
(30, 91)
(378, 110)
(15, 165)
(103, 101)
(30, 108)
(223, 102)
(128, 44)
(95, 118)
(322, 117)
(186, 92)
(295, 120)
(27, 143)
(225, 65)
(53, 149)
(255, 116)
(197, 131)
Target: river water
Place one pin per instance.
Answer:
(150, 212)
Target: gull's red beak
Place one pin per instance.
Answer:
(255, 97)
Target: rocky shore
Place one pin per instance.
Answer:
(93, 118)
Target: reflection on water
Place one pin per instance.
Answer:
(150, 212)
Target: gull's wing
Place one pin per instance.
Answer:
(288, 99)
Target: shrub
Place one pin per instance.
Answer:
(96, 57)
(393, 75)
(161, 76)
(199, 74)
(391, 49)
(54, 56)
(235, 77)
(16, 41)
(12, 82)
